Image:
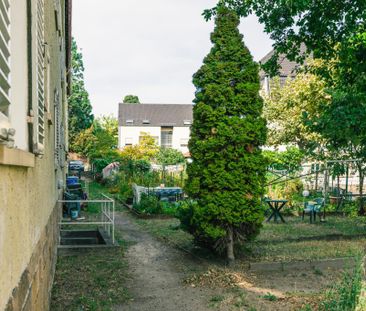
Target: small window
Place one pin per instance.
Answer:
(129, 122)
(184, 142)
(128, 141)
(187, 122)
(145, 121)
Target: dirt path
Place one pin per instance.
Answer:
(156, 273)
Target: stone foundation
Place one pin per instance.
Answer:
(34, 288)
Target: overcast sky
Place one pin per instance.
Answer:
(148, 48)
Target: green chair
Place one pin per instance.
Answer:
(313, 208)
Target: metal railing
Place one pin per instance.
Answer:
(104, 216)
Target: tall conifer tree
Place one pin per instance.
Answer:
(79, 106)
(227, 172)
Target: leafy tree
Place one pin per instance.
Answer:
(169, 156)
(290, 159)
(320, 25)
(79, 107)
(285, 106)
(99, 140)
(147, 149)
(341, 121)
(228, 169)
(131, 99)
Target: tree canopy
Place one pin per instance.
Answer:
(79, 106)
(169, 156)
(99, 140)
(146, 149)
(227, 171)
(285, 106)
(320, 25)
(131, 99)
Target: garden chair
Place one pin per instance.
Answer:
(312, 208)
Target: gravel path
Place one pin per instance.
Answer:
(156, 273)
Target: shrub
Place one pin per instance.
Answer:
(149, 204)
(169, 156)
(185, 212)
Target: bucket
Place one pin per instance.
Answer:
(74, 214)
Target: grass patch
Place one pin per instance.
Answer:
(344, 296)
(90, 280)
(296, 239)
(167, 229)
(270, 297)
(281, 242)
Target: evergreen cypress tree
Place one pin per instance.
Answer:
(227, 172)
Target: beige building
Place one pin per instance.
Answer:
(169, 124)
(34, 45)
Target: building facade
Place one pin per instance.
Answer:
(34, 61)
(169, 124)
(287, 70)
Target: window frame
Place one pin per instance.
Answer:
(6, 132)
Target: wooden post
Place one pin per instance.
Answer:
(347, 173)
(325, 187)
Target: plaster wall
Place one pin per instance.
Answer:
(28, 194)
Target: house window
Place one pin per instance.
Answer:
(39, 108)
(166, 136)
(58, 130)
(187, 122)
(129, 122)
(145, 121)
(184, 142)
(128, 141)
(4, 57)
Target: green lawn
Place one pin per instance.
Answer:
(90, 280)
(297, 239)
(283, 242)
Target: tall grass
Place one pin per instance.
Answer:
(344, 296)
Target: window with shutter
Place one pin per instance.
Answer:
(58, 129)
(4, 57)
(39, 126)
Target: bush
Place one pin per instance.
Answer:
(149, 204)
(185, 213)
(169, 156)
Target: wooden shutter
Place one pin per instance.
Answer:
(58, 141)
(39, 126)
(4, 56)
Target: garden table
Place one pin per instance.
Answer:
(276, 206)
(166, 192)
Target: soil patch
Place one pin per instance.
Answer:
(156, 273)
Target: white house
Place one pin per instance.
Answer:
(169, 124)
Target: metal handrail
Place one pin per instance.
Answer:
(107, 213)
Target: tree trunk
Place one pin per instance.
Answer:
(230, 246)
(361, 210)
(316, 178)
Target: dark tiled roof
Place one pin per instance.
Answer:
(287, 68)
(155, 114)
